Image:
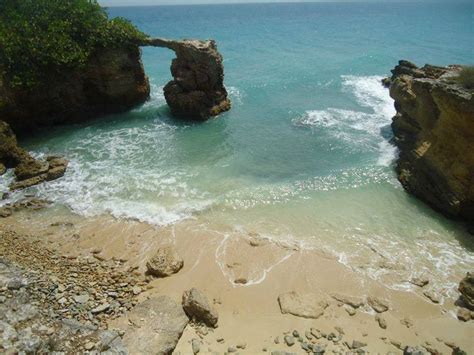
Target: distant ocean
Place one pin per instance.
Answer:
(304, 155)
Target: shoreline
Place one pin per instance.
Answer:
(250, 313)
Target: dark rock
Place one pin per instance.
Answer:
(197, 90)
(466, 288)
(113, 80)
(433, 130)
(386, 82)
(197, 307)
(166, 262)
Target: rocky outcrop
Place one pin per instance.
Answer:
(466, 288)
(113, 80)
(197, 90)
(434, 131)
(28, 171)
(197, 307)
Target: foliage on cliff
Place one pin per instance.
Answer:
(43, 37)
(466, 77)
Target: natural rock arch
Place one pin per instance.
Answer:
(197, 90)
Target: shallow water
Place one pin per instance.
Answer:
(304, 155)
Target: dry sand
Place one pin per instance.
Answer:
(250, 313)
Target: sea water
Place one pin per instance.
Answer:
(304, 156)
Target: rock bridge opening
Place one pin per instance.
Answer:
(197, 89)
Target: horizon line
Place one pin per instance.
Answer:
(297, 2)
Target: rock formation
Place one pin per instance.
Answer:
(466, 288)
(197, 307)
(434, 131)
(28, 171)
(165, 262)
(113, 80)
(197, 90)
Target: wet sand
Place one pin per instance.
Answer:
(249, 312)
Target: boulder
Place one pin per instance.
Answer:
(197, 90)
(166, 262)
(302, 305)
(197, 307)
(466, 288)
(434, 130)
(156, 326)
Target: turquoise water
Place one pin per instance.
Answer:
(304, 154)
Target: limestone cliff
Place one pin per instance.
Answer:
(434, 131)
(113, 80)
(197, 90)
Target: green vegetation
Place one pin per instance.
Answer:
(466, 77)
(43, 37)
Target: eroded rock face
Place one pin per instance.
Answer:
(197, 307)
(28, 171)
(197, 90)
(434, 130)
(112, 81)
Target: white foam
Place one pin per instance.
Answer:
(360, 129)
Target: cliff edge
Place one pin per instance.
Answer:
(113, 80)
(434, 131)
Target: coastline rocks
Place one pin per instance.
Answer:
(197, 90)
(434, 132)
(28, 171)
(113, 80)
(354, 302)
(378, 305)
(156, 326)
(197, 307)
(166, 262)
(466, 288)
(302, 305)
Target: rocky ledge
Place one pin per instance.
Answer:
(197, 90)
(113, 80)
(28, 170)
(434, 131)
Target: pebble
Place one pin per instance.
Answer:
(464, 314)
(196, 346)
(289, 340)
(296, 334)
(231, 350)
(356, 344)
(276, 340)
(241, 346)
(89, 346)
(382, 322)
(101, 308)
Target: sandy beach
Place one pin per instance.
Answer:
(243, 276)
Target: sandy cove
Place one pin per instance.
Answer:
(249, 314)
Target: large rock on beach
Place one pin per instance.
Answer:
(156, 326)
(198, 308)
(197, 90)
(434, 131)
(166, 262)
(302, 305)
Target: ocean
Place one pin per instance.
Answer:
(304, 156)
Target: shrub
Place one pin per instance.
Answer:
(40, 37)
(466, 77)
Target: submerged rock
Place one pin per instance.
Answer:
(197, 90)
(166, 262)
(434, 131)
(302, 305)
(197, 307)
